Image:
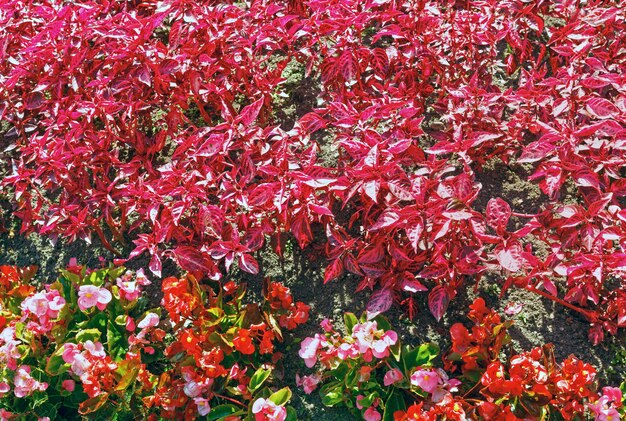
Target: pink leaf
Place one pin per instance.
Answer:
(498, 213)
(511, 258)
(248, 263)
(438, 301)
(379, 302)
(192, 260)
(250, 112)
(602, 108)
(155, 265)
(386, 219)
(333, 271)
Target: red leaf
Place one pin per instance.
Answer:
(386, 219)
(250, 112)
(511, 258)
(414, 233)
(379, 302)
(596, 334)
(438, 301)
(248, 263)
(155, 265)
(192, 260)
(347, 65)
(333, 271)
(602, 108)
(372, 255)
(371, 188)
(352, 265)
(498, 213)
(536, 151)
(410, 284)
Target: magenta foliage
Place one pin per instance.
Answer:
(158, 121)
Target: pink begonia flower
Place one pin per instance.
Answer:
(6, 415)
(24, 384)
(327, 325)
(266, 410)
(192, 389)
(346, 351)
(141, 278)
(44, 305)
(372, 414)
(308, 350)
(308, 383)
(151, 320)
(91, 295)
(369, 337)
(9, 352)
(95, 349)
(4, 388)
(380, 348)
(129, 290)
(603, 408)
(68, 385)
(203, 406)
(614, 394)
(130, 324)
(44, 419)
(392, 376)
(427, 380)
(70, 351)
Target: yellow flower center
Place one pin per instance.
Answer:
(89, 295)
(189, 339)
(426, 377)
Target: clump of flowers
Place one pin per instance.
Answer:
(223, 349)
(371, 373)
(88, 344)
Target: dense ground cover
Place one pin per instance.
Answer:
(419, 153)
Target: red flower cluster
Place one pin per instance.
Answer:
(219, 341)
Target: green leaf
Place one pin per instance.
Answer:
(128, 369)
(350, 320)
(367, 401)
(97, 277)
(93, 404)
(332, 393)
(394, 403)
(88, 335)
(382, 323)
(417, 357)
(292, 415)
(55, 364)
(115, 342)
(258, 378)
(281, 396)
(222, 411)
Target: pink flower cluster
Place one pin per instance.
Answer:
(9, 353)
(366, 341)
(90, 363)
(266, 410)
(434, 381)
(371, 413)
(92, 296)
(606, 407)
(43, 307)
(24, 384)
(308, 383)
(131, 289)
